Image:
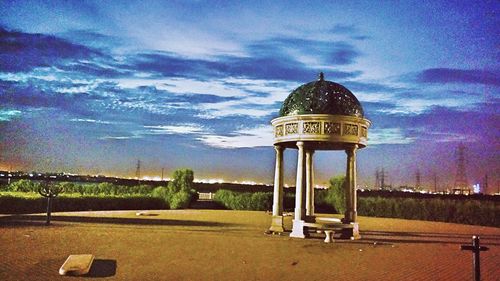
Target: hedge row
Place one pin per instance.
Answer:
(259, 201)
(446, 210)
(103, 188)
(457, 211)
(13, 204)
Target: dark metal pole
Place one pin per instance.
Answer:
(475, 248)
(475, 258)
(49, 203)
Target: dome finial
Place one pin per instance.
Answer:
(321, 76)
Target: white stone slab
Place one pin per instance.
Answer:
(144, 213)
(77, 265)
(329, 219)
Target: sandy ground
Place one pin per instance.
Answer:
(231, 245)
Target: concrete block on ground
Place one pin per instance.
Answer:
(77, 265)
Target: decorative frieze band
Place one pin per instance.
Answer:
(278, 131)
(320, 128)
(291, 128)
(350, 130)
(332, 128)
(364, 131)
(312, 128)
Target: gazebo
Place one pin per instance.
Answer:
(319, 115)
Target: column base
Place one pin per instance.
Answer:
(310, 218)
(350, 231)
(277, 224)
(298, 229)
(350, 217)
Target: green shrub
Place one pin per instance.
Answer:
(257, 201)
(334, 196)
(180, 200)
(23, 186)
(179, 193)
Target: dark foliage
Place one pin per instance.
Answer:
(16, 205)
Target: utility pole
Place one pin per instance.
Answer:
(461, 183)
(162, 169)
(485, 184)
(377, 178)
(417, 184)
(382, 178)
(435, 182)
(138, 171)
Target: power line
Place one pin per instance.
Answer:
(380, 178)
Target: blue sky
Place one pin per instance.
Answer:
(92, 86)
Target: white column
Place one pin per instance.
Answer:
(277, 219)
(351, 200)
(278, 182)
(298, 222)
(309, 183)
(299, 184)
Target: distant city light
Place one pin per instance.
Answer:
(476, 188)
(209, 180)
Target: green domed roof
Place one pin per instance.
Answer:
(322, 97)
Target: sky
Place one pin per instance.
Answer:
(90, 87)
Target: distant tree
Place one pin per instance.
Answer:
(182, 181)
(336, 193)
(179, 193)
(49, 191)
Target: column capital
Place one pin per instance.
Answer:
(310, 151)
(300, 144)
(278, 148)
(351, 150)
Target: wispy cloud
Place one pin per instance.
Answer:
(464, 76)
(91, 121)
(243, 138)
(446, 137)
(24, 51)
(9, 114)
(179, 129)
(119, 137)
(389, 136)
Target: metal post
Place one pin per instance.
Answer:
(476, 249)
(475, 258)
(49, 203)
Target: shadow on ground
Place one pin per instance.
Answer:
(386, 238)
(423, 238)
(39, 220)
(102, 268)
